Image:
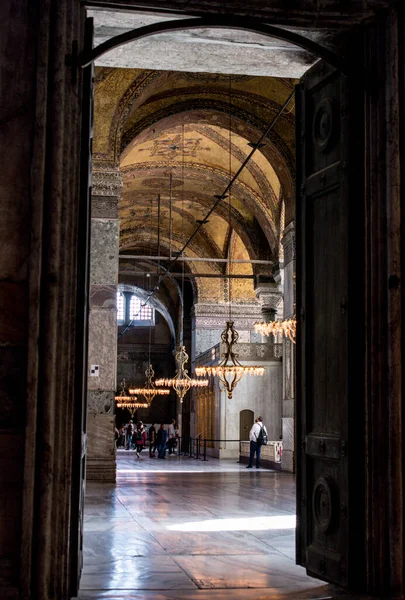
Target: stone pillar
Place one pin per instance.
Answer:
(288, 412)
(101, 462)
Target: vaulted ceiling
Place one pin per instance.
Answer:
(178, 139)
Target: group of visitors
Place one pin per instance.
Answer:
(160, 440)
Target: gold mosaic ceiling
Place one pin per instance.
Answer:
(194, 130)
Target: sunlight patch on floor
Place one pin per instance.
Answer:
(238, 524)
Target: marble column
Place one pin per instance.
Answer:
(288, 411)
(101, 460)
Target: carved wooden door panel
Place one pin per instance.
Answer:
(330, 417)
(82, 310)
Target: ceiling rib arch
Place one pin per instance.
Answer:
(205, 111)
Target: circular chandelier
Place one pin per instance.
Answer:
(182, 382)
(230, 371)
(287, 328)
(128, 402)
(149, 391)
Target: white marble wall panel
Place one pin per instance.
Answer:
(288, 433)
(104, 251)
(287, 460)
(205, 339)
(103, 349)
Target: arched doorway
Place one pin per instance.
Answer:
(316, 113)
(246, 418)
(187, 238)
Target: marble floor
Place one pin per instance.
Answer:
(188, 529)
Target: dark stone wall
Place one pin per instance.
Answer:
(17, 114)
(39, 152)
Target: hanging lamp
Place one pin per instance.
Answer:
(229, 371)
(123, 400)
(149, 391)
(182, 382)
(287, 327)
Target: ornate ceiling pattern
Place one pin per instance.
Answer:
(178, 139)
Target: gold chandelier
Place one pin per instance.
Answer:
(128, 402)
(149, 391)
(287, 328)
(182, 382)
(230, 371)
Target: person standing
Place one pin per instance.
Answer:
(152, 441)
(257, 437)
(161, 441)
(130, 432)
(121, 441)
(172, 437)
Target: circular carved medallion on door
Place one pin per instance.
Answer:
(323, 503)
(324, 126)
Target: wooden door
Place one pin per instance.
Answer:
(82, 311)
(330, 418)
(245, 424)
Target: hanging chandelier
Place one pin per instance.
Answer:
(230, 371)
(287, 328)
(128, 402)
(182, 382)
(149, 391)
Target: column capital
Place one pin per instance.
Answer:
(268, 295)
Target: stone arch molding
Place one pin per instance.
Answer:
(215, 22)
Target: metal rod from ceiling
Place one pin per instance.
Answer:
(170, 216)
(158, 266)
(198, 259)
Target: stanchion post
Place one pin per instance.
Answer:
(205, 450)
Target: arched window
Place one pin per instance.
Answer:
(139, 313)
(120, 308)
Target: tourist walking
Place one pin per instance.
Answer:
(257, 436)
(152, 441)
(172, 437)
(140, 438)
(161, 439)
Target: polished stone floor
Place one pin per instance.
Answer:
(188, 529)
